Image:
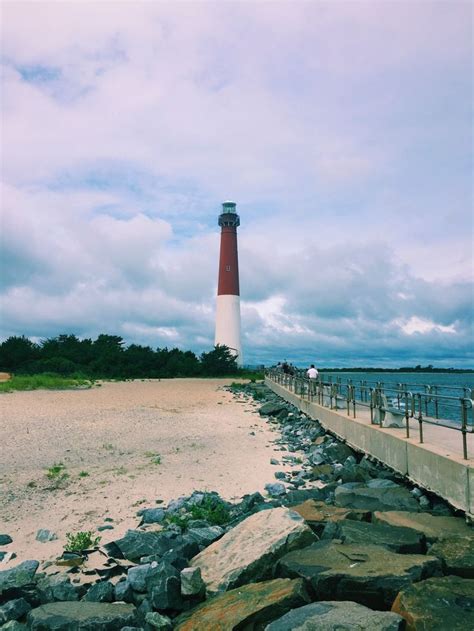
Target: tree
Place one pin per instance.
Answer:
(219, 362)
(16, 352)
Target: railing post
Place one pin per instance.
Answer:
(464, 426)
(407, 413)
(420, 418)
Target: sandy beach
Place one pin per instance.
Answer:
(124, 446)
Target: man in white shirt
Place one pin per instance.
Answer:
(312, 373)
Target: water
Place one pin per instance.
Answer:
(449, 385)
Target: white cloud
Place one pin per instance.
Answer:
(420, 325)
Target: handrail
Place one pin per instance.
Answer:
(377, 396)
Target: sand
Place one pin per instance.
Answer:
(133, 443)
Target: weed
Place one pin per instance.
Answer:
(121, 471)
(48, 381)
(154, 457)
(80, 541)
(213, 511)
(84, 474)
(57, 475)
(108, 447)
(179, 520)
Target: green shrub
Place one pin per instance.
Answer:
(80, 541)
(57, 474)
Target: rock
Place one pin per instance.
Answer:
(293, 498)
(5, 540)
(274, 461)
(101, 592)
(352, 473)
(152, 515)
(272, 409)
(336, 452)
(191, 582)
(376, 499)
(437, 604)
(16, 579)
(13, 625)
(205, 536)
(248, 551)
(157, 621)
(276, 489)
(43, 535)
(137, 576)
(247, 607)
(56, 588)
(367, 574)
(457, 555)
(123, 591)
(136, 544)
(317, 514)
(14, 610)
(336, 616)
(431, 526)
(105, 527)
(279, 475)
(401, 540)
(164, 587)
(81, 616)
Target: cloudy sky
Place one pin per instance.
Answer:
(343, 130)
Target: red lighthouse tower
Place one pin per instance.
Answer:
(228, 292)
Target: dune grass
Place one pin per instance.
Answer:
(44, 381)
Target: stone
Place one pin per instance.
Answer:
(437, 604)
(191, 582)
(433, 527)
(105, 527)
(152, 515)
(272, 409)
(43, 535)
(336, 616)
(280, 475)
(81, 616)
(274, 461)
(401, 540)
(249, 551)
(16, 579)
(157, 621)
(247, 607)
(336, 451)
(13, 625)
(123, 591)
(14, 610)
(367, 574)
(101, 592)
(136, 544)
(317, 514)
(137, 576)
(164, 587)
(276, 489)
(293, 498)
(457, 555)
(5, 540)
(375, 499)
(56, 588)
(205, 536)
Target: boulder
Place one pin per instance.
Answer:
(247, 607)
(14, 610)
(457, 555)
(375, 499)
(101, 592)
(205, 536)
(336, 452)
(191, 582)
(155, 620)
(367, 574)
(249, 551)
(437, 604)
(43, 535)
(136, 544)
(5, 540)
(164, 587)
(81, 616)
(317, 514)
(16, 580)
(433, 527)
(152, 515)
(56, 588)
(402, 540)
(137, 576)
(334, 615)
(276, 489)
(272, 409)
(13, 625)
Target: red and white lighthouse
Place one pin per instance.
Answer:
(228, 293)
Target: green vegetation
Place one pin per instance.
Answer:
(45, 380)
(107, 357)
(80, 541)
(154, 457)
(57, 475)
(212, 509)
(84, 474)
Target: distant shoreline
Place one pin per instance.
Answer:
(403, 370)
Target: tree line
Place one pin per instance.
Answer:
(108, 357)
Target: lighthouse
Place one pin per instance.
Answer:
(228, 293)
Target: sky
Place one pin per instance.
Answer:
(343, 130)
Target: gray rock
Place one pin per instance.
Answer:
(336, 452)
(375, 499)
(13, 625)
(382, 483)
(336, 616)
(81, 616)
(152, 515)
(280, 475)
(136, 544)
(123, 591)
(43, 535)
(101, 592)
(16, 579)
(157, 621)
(275, 489)
(191, 582)
(205, 536)
(5, 540)
(14, 610)
(274, 461)
(401, 540)
(164, 588)
(457, 555)
(137, 576)
(367, 574)
(272, 409)
(56, 588)
(105, 527)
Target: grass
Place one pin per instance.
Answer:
(84, 474)
(80, 541)
(46, 381)
(154, 457)
(57, 475)
(211, 510)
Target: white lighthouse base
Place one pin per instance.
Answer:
(228, 324)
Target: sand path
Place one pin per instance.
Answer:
(133, 443)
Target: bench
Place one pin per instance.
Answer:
(387, 415)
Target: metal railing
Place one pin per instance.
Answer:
(390, 405)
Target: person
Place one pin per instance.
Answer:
(312, 373)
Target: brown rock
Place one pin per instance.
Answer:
(318, 513)
(246, 607)
(437, 604)
(433, 527)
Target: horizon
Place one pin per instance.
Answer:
(343, 131)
